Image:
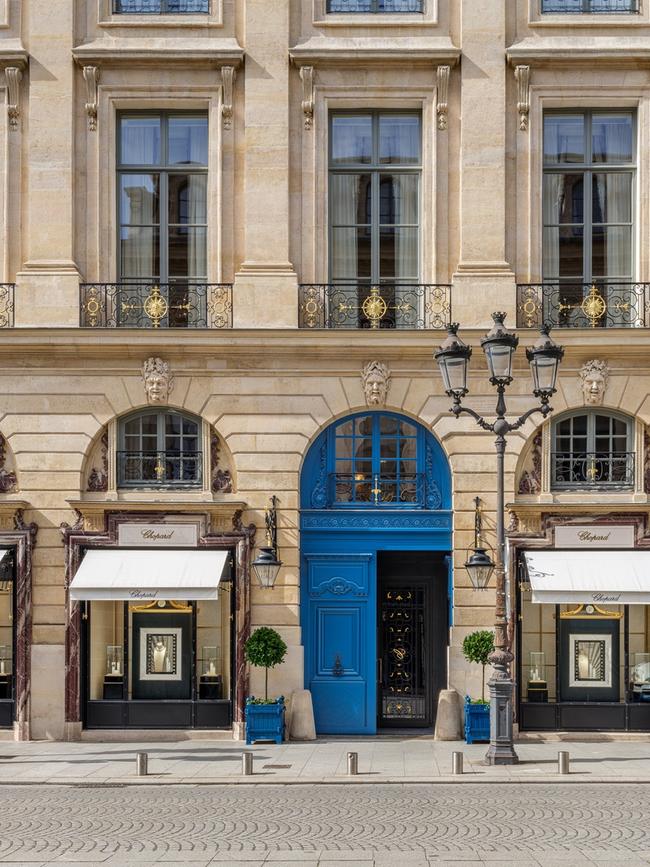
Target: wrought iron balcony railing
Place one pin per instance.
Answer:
(345, 6)
(374, 489)
(7, 291)
(163, 468)
(602, 304)
(589, 7)
(156, 305)
(581, 470)
(388, 305)
(161, 7)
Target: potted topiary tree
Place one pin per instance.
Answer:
(265, 719)
(476, 648)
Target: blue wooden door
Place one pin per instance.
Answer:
(341, 642)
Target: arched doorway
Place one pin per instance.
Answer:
(375, 573)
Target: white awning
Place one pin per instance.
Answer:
(619, 577)
(148, 575)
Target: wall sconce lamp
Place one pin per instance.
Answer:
(266, 565)
(479, 564)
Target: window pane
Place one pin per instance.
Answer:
(139, 252)
(351, 254)
(399, 139)
(187, 199)
(563, 198)
(563, 252)
(398, 252)
(564, 139)
(351, 139)
(344, 429)
(350, 199)
(140, 141)
(398, 199)
(187, 252)
(612, 138)
(612, 198)
(363, 426)
(172, 424)
(188, 141)
(140, 199)
(388, 425)
(611, 251)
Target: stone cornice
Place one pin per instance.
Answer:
(9, 510)
(580, 51)
(91, 515)
(625, 345)
(400, 51)
(202, 53)
(12, 53)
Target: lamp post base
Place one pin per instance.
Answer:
(501, 750)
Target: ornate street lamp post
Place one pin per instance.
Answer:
(544, 357)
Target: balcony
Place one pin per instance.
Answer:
(161, 7)
(154, 305)
(388, 491)
(164, 469)
(389, 305)
(376, 6)
(583, 305)
(589, 470)
(7, 305)
(590, 7)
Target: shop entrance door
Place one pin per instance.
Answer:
(412, 623)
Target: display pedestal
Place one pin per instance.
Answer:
(537, 691)
(210, 687)
(113, 687)
(5, 685)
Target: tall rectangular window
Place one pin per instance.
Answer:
(374, 197)
(375, 6)
(162, 197)
(589, 7)
(588, 199)
(161, 7)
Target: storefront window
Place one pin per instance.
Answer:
(6, 640)
(160, 651)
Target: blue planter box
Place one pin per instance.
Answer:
(265, 722)
(477, 722)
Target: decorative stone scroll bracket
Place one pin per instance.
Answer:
(91, 77)
(13, 77)
(307, 78)
(442, 107)
(228, 80)
(522, 76)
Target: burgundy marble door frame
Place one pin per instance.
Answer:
(241, 539)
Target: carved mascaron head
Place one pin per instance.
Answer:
(375, 378)
(594, 375)
(158, 380)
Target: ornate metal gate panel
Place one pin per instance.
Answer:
(404, 680)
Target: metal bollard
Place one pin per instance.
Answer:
(141, 760)
(457, 763)
(247, 764)
(563, 762)
(353, 764)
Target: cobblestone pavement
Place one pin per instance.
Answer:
(396, 825)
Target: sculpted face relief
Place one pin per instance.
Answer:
(375, 378)
(158, 380)
(594, 375)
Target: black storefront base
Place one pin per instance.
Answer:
(6, 713)
(585, 716)
(158, 714)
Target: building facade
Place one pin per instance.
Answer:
(234, 233)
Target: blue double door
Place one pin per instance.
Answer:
(376, 627)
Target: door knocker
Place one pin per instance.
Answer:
(337, 669)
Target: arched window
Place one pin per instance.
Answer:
(375, 460)
(161, 449)
(592, 449)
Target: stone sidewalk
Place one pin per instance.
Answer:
(397, 759)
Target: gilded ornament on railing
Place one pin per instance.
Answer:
(374, 307)
(594, 306)
(312, 308)
(530, 307)
(220, 305)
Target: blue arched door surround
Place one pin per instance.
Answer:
(376, 529)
